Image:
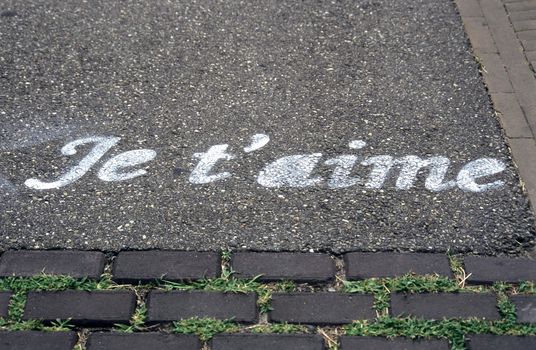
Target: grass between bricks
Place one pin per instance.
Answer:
(206, 328)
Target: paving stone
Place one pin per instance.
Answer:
(368, 265)
(527, 35)
(521, 6)
(469, 8)
(176, 305)
(142, 341)
(525, 25)
(499, 342)
(398, 343)
(525, 308)
(522, 16)
(267, 342)
(144, 266)
(83, 308)
(445, 305)
(479, 35)
(35, 340)
(531, 56)
(511, 115)
(494, 73)
(495, 13)
(524, 152)
(529, 45)
(484, 269)
(73, 263)
(4, 303)
(300, 267)
(321, 308)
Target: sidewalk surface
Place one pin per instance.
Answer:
(243, 175)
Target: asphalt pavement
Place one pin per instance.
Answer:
(274, 125)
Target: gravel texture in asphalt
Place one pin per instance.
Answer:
(175, 78)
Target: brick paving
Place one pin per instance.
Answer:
(320, 302)
(503, 37)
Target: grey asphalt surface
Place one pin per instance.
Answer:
(181, 76)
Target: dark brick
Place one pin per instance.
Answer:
(267, 342)
(321, 308)
(176, 305)
(142, 341)
(483, 269)
(73, 263)
(144, 266)
(34, 340)
(83, 308)
(300, 267)
(367, 265)
(499, 342)
(4, 303)
(380, 343)
(525, 308)
(445, 305)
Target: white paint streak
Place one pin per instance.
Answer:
(112, 169)
(357, 144)
(258, 141)
(477, 169)
(341, 175)
(411, 165)
(290, 171)
(207, 161)
(378, 174)
(102, 145)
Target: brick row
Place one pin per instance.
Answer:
(103, 308)
(145, 266)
